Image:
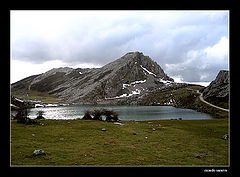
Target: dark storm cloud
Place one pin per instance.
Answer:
(181, 42)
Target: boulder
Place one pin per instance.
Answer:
(118, 123)
(38, 152)
(198, 157)
(225, 137)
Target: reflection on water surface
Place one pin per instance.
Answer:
(125, 112)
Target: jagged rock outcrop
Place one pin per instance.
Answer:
(122, 81)
(218, 91)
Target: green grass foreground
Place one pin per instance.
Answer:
(83, 143)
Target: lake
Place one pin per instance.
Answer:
(138, 113)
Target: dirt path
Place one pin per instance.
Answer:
(201, 98)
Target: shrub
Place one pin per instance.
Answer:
(22, 117)
(87, 115)
(97, 114)
(111, 116)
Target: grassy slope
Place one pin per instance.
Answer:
(184, 98)
(81, 142)
(44, 97)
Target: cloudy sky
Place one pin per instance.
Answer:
(190, 46)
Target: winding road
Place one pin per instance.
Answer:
(201, 98)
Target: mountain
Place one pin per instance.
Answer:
(218, 90)
(123, 81)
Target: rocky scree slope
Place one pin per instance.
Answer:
(123, 81)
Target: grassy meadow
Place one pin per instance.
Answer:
(143, 143)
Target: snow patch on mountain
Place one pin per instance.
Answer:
(149, 72)
(166, 82)
(134, 92)
(133, 83)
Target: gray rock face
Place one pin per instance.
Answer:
(218, 90)
(219, 87)
(127, 78)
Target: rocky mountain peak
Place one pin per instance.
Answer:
(135, 56)
(132, 55)
(130, 76)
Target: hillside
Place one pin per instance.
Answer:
(217, 92)
(123, 81)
